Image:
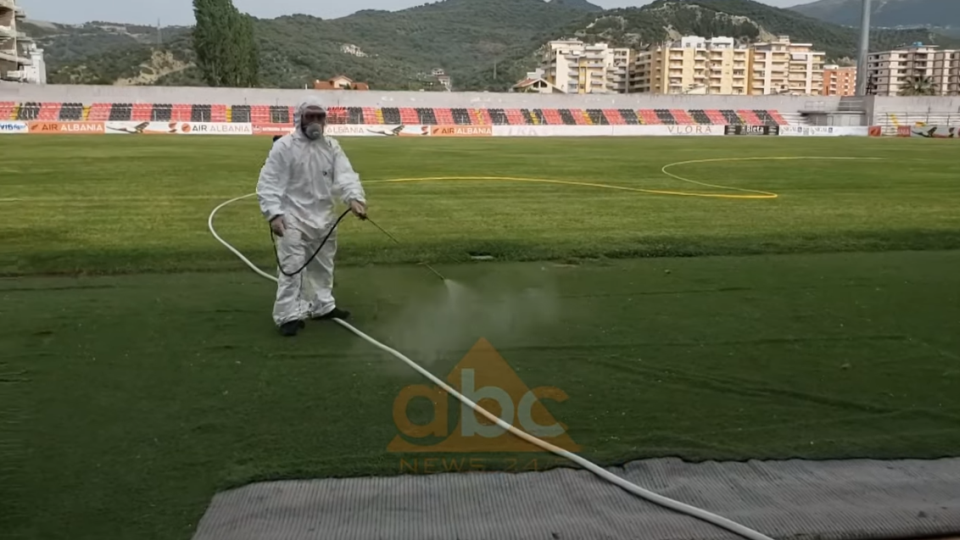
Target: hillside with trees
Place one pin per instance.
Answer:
(482, 44)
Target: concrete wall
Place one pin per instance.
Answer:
(914, 105)
(875, 106)
(374, 98)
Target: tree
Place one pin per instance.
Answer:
(919, 86)
(225, 44)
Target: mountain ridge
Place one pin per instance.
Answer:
(482, 44)
(886, 13)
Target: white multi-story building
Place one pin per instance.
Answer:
(782, 67)
(20, 59)
(578, 68)
(890, 72)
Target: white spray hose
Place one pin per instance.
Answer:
(595, 469)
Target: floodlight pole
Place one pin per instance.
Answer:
(863, 74)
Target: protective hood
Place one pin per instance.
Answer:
(309, 101)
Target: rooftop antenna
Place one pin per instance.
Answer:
(863, 74)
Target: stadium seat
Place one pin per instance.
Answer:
(580, 117)
(552, 117)
(70, 112)
(181, 112)
(515, 117)
(700, 116)
(354, 115)
(391, 115)
(120, 112)
(240, 114)
(201, 113)
(260, 114)
(613, 117)
(8, 110)
(731, 117)
(443, 116)
(537, 117)
(682, 117)
(337, 115)
(161, 112)
(141, 112)
(218, 113)
(665, 116)
(29, 111)
(498, 117)
(716, 117)
(49, 112)
(629, 116)
(483, 117)
(750, 118)
(597, 117)
(280, 114)
(778, 118)
(409, 116)
(426, 116)
(372, 115)
(765, 117)
(567, 117)
(649, 116)
(99, 112)
(461, 117)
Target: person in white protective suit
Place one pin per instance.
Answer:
(303, 175)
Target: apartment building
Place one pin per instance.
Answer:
(839, 81)
(891, 72)
(692, 65)
(783, 67)
(20, 59)
(578, 68)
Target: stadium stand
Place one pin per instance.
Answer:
(649, 117)
(28, 111)
(461, 117)
(8, 110)
(665, 116)
(280, 114)
(682, 117)
(612, 117)
(629, 116)
(70, 112)
(440, 116)
(750, 118)
(731, 117)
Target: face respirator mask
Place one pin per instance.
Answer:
(313, 124)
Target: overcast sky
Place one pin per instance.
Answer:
(179, 12)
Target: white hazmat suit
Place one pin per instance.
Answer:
(299, 182)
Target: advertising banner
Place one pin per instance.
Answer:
(177, 128)
(695, 130)
(607, 131)
(272, 129)
(824, 131)
(935, 132)
(14, 128)
(752, 130)
(211, 128)
(876, 131)
(66, 128)
(461, 131)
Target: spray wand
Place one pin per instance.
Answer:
(438, 274)
(324, 241)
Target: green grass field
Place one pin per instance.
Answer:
(140, 372)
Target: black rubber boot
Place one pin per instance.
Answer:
(337, 313)
(289, 329)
